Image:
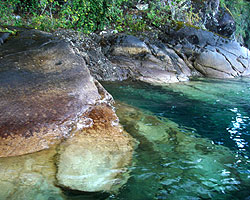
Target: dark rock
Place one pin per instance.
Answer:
(174, 56)
(44, 87)
(222, 23)
(152, 62)
(214, 18)
(210, 54)
(128, 45)
(3, 37)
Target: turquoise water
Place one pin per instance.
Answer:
(205, 152)
(191, 143)
(217, 109)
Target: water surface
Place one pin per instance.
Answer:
(192, 144)
(206, 153)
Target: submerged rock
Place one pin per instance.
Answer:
(29, 177)
(95, 158)
(189, 167)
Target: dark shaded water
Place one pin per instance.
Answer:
(218, 110)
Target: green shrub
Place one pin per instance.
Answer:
(240, 10)
(93, 15)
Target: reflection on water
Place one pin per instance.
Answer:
(237, 127)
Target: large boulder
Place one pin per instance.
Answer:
(97, 155)
(149, 62)
(211, 55)
(44, 87)
(49, 100)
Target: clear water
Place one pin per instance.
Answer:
(193, 144)
(210, 159)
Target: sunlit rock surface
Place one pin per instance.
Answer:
(47, 96)
(44, 87)
(191, 167)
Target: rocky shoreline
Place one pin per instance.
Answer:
(161, 58)
(49, 100)
(50, 97)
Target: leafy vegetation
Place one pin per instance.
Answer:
(97, 15)
(91, 15)
(240, 10)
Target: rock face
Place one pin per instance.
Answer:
(44, 87)
(210, 54)
(3, 37)
(214, 17)
(175, 56)
(153, 63)
(48, 99)
(167, 56)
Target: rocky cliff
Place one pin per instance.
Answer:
(161, 57)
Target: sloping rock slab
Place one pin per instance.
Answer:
(211, 55)
(153, 63)
(44, 88)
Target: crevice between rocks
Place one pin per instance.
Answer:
(213, 69)
(238, 72)
(185, 60)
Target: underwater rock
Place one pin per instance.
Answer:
(190, 166)
(95, 158)
(29, 176)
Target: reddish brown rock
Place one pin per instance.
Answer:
(44, 88)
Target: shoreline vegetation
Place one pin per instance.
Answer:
(121, 15)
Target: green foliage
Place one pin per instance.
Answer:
(158, 14)
(93, 15)
(90, 16)
(240, 10)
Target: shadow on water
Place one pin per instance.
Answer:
(78, 195)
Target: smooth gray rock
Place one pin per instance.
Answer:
(209, 63)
